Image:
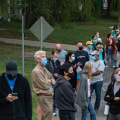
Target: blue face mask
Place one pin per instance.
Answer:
(44, 61)
(73, 58)
(91, 47)
(101, 50)
(93, 58)
(55, 59)
(118, 78)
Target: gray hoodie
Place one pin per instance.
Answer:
(64, 93)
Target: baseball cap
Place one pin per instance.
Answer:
(89, 43)
(11, 67)
(95, 52)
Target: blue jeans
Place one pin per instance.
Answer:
(54, 100)
(90, 109)
(97, 86)
(108, 56)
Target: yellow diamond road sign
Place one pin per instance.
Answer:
(46, 29)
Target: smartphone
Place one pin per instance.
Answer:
(14, 94)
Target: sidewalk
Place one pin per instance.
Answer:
(37, 44)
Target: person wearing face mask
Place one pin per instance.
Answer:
(65, 97)
(81, 57)
(115, 36)
(83, 96)
(118, 52)
(42, 81)
(15, 94)
(97, 78)
(94, 41)
(70, 58)
(89, 47)
(115, 27)
(62, 54)
(98, 37)
(112, 96)
(100, 49)
(53, 66)
(110, 49)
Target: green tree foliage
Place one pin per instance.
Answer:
(58, 10)
(4, 8)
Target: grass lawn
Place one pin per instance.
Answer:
(69, 33)
(13, 52)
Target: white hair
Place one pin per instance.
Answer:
(38, 54)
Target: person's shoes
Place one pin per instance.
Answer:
(54, 114)
(96, 110)
(113, 66)
(57, 112)
(103, 89)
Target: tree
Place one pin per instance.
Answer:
(4, 8)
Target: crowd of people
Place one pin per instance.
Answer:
(64, 80)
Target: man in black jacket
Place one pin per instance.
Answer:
(15, 95)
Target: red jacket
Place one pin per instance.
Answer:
(107, 43)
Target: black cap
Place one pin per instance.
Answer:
(11, 67)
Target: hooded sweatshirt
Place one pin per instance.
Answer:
(64, 93)
(20, 109)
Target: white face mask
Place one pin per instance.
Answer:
(97, 36)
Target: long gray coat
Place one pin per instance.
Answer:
(82, 96)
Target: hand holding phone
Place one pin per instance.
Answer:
(11, 97)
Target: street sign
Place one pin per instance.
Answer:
(41, 26)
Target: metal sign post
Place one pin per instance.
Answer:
(41, 32)
(23, 29)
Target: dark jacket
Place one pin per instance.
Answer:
(81, 57)
(114, 105)
(73, 81)
(118, 46)
(20, 109)
(51, 67)
(103, 54)
(64, 93)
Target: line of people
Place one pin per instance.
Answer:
(56, 81)
(60, 82)
(113, 47)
